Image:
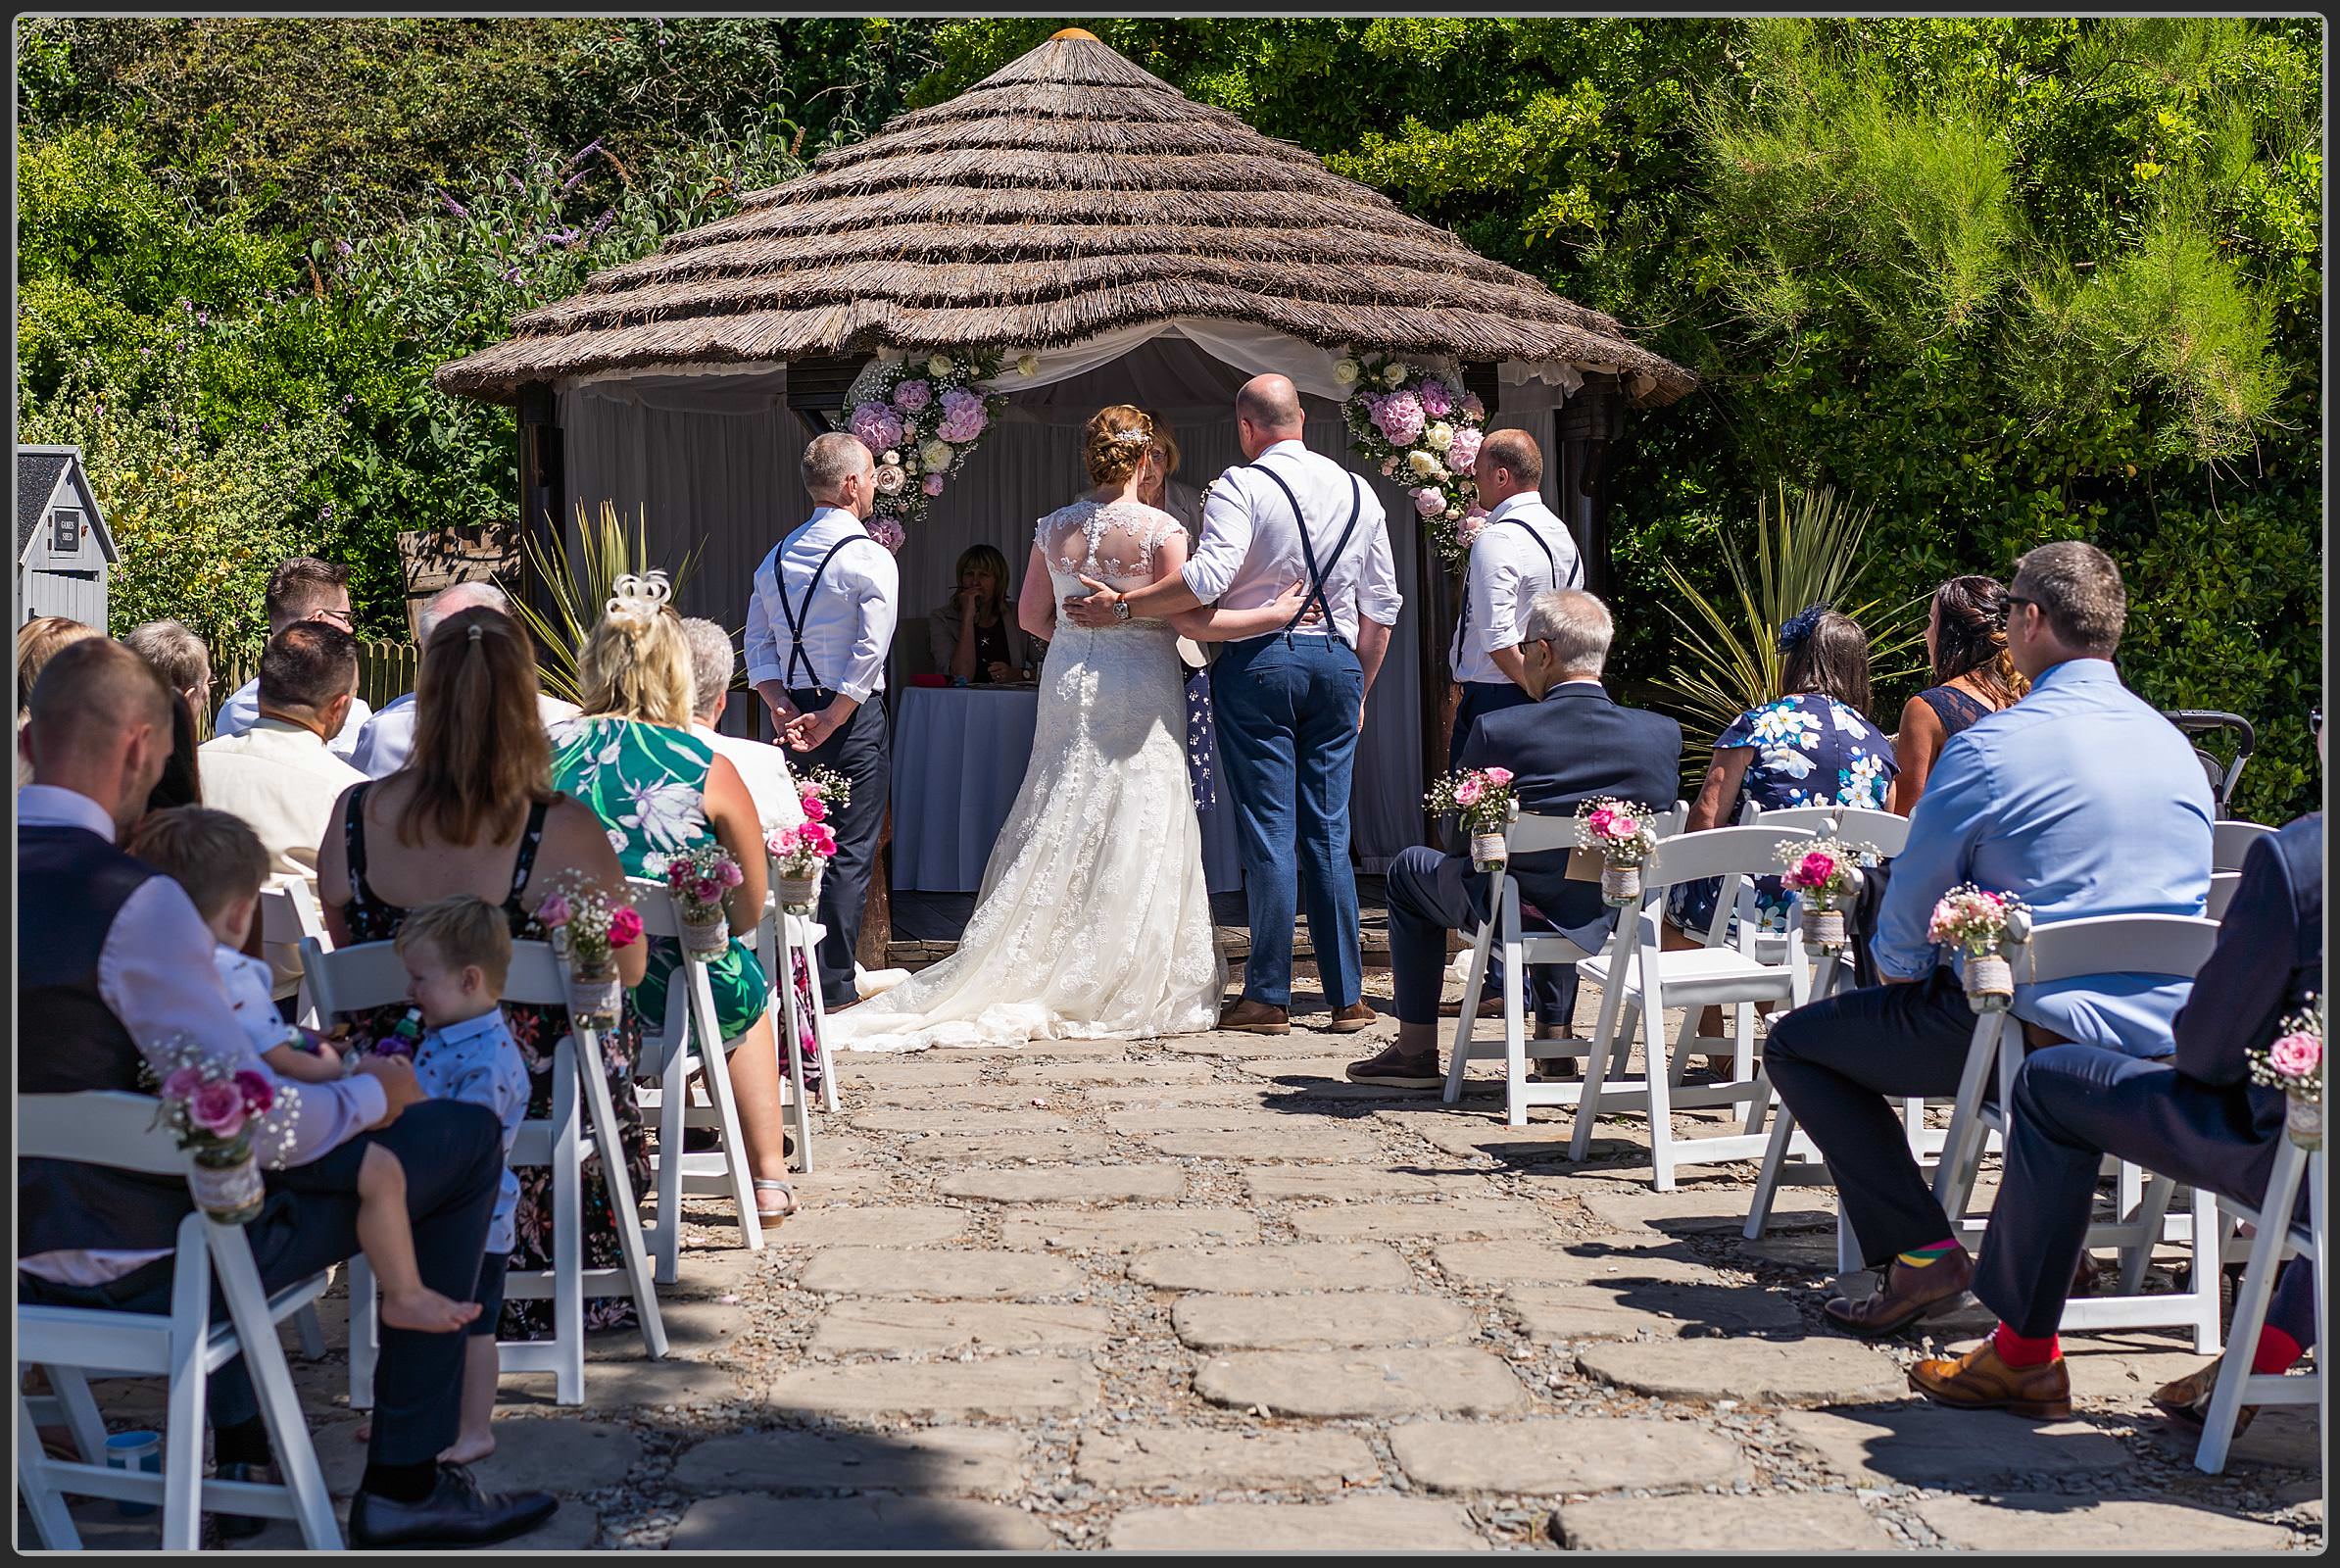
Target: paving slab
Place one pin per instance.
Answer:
(971, 1273)
(1348, 1182)
(1451, 1220)
(972, 1461)
(1223, 1115)
(1300, 1042)
(1273, 1269)
(1306, 1138)
(1374, 1523)
(908, 1225)
(697, 1330)
(1301, 1069)
(1074, 1073)
(638, 1382)
(958, 1119)
(873, 1522)
(1805, 1521)
(2282, 1437)
(859, 1070)
(1963, 1450)
(1015, 1388)
(1710, 1209)
(1553, 1263)
(1126, 1230)
(1000, 1148)
(1068, 1184)
(1554, 1314)
(980, 1102)
(1584, 1453)
(1335, 1321)
(902, 1328)
(1329, 1385)
(1812, 1371)
(2051, 1522)
(1128, 1097)
(1205, 1460)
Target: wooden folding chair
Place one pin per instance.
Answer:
(116, 1130)
(2237, 1383)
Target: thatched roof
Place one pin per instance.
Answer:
(1067, 194)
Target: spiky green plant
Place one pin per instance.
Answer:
(578, 584)
(1807, 552)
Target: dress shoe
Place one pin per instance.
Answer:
(1256, 1018)
(1980, 1381)
(242, 1526)
(1393, 1068)
(1352, 1018)
(2188, 1400)
(1490, 1006)
(1908, 1295)
(457, 1513)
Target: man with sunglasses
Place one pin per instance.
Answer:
(304, 588)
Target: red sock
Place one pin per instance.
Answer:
(2278, 1351)
(2017, 1350)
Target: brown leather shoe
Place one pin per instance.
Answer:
(1394, 1068)
(1490, 1006)
(1980, 1381)
(1352, 1018)
(1252, 1018)
(1908, 1295)
(2187, 1398)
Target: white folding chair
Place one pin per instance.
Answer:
(780, 937)
(116, 1130)
(2221, 893)
(289, 916)
(1638, 976)
(688, 1050)
(2237, 1383)
(1532, 833)
(2117, 944)
(359, 978)
(2231, 841)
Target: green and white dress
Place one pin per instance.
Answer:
(648, 784)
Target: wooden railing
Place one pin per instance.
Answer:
(385, 670)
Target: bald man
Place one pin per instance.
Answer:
(1289, 704)
(387, 738)
(1524, 550)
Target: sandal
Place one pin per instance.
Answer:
(764, 1184)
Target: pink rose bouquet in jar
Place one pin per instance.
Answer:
(217, 1112)
(2293, 1061)
(1983, 925)
(700, 877)
(1483, 798)
(1824, 875)
(586, 927)
(1623, 835)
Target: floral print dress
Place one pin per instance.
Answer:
(537, 1031)
(1810, 750)
(648, 784)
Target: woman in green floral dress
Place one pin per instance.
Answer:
(660, 790)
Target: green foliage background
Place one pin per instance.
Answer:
(2002, 280)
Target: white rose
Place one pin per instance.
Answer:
(1425, 465)
(891, 480)
(940, 365)
(936, 455)
(1439, 435)
(1344, 370)
(1027, 364)
(892, 459)
(1393, 374)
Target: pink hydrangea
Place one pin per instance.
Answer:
(912, 396)
(1437, 398)
(932, 484)
(217, 1108)
(1462, 454)
(885, 531)
(878, 426)
(1399, 419)
(1430, 501)
(2296, 1055)
(963, 424)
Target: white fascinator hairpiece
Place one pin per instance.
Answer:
(634, 601)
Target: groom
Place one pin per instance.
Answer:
(1288, 704)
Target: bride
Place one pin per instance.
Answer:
(1093, 922)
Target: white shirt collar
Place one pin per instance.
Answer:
(833, 515)
(1292, 445)
(1513, 506)
(48, 806)
(1582, 680)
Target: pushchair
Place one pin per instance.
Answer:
(2198, 724)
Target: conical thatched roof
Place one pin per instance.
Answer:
(1067, 194)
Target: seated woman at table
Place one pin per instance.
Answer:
(974, 638)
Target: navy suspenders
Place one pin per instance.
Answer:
(1463, 619)
(1316, 578)
(803, 611)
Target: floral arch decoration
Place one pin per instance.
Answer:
(1415, 422)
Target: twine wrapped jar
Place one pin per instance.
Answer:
(226, 1181)
(709, 939)
(595, 999)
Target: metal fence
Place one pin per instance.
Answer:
(385, 670)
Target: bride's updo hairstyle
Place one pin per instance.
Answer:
(637, 663)
(1114, 442)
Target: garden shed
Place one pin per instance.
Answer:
(1090, 236)
(64, 549)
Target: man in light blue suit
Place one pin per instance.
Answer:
(2080, 800)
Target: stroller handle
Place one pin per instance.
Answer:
(2198, 720)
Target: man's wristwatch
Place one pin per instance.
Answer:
(1121, 610)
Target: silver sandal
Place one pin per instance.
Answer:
(765, 1183)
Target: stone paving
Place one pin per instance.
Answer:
(1202, 1293)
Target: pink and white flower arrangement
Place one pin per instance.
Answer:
(584, 924)
(2293, 1061)
(920, 418)
(823, 792)
(1823, 875)
(1620, 832)
(1983, 925)
(1482, 798)
(1417, 424)
(699, 878)
(217, 1112)
(798, 852)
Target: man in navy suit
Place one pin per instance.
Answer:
(2195, 1116)
(1569, 745)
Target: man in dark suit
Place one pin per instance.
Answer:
(2195, 1116)
(1569, 745)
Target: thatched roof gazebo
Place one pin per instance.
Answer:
(1107, 240)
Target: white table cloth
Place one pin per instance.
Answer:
(960, 754)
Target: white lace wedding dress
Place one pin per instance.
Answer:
(1093, 922)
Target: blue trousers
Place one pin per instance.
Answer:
(1479, 697)
(1430, 895)
(1555, 1000)
(1287, 713)
(859, 750)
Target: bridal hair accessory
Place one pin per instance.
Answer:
(1799, 627)
(634, 601)
(1133, 438)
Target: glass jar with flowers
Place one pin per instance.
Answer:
(213, 1112)
(1625, 836)
(1824, 875)
(797, 856)
(1983, 925)
(1482, 798)
(2293, 1061)
(698, 877)
(586, 927)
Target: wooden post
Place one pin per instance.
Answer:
(544, 483)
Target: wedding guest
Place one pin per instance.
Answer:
(475, 811)
(304, 588)
(38, 641)
(659, 788)
(974, 637)
(2193, 1115)
(1966, 644)
(182, 783)
(118, 971)
(2080, 800)
(1569, 743)
(832, 591)
(387, 738)
(1162, 488)
(179, 656)
(763, 767)
(1159, 487)
(1521, 551)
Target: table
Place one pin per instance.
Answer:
(960, 754)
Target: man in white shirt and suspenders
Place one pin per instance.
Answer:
(1288, 705)
(1524, 550)
(820, 623)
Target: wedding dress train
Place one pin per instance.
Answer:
(1093, 922)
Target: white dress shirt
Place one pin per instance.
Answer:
(1250, 546)
(1505, 574)
(279, 778)
(241, 712)
(763, 768)
(849, 624)
(157, 974)
(388, 739)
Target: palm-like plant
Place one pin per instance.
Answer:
(1807, 552)
(578, 585)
